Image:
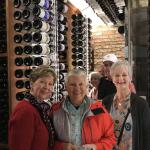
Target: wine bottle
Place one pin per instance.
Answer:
(39, 12)
(62, 8)
(75, 43)
(74, 37)
(42, 25)
(81, 43)
(3, 47)
(27, 73)
(61, 86)
(19, 84)
(20, 96)
(62, 66)
(27, 25)
(62, 55)
(26, 14)
(89, 21)
(27, 37)
(78, 62)
(77, 56)
(42, 61)
(74, 30)
(28, 61)
(18, 38)
(42, 49)
(18, 27)
(121, 16)
(81, 50)
(74, 50)
(61, 17)
(61, 37)
(74, 17)
(74, 23)
(27, 49)
(27, 2)
(4, 94)
(27, 84)
(81, 17)
(19, 73)
(47, 4)
(61, 47)
(18, 50)
(82, 23)
(61, 76)
(41, 37)
(3, 84)
(3, 62)
(81, 30)
(3, 35)
(61, 27)
(17, 15)
(17, 3)
(3, 74)
(60, 96)
(121, 29)
(19, 61)
(82, 37)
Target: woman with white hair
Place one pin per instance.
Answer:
(130, 112)
(80, 122)
(94, 78)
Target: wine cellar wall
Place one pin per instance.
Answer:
(39, 32)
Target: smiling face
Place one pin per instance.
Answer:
(77, 89)
(42, 88)
(95, 79)
(121, 78)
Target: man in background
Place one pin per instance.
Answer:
(106, 86)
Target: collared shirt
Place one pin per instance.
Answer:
(76, 119)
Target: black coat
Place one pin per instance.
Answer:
(140, 113)
(105, 88)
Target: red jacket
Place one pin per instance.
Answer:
(97, 127)
(26, 129)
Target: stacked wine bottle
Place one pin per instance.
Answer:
(62, 27)
(34, 39)
(4, 98)
(81, 36)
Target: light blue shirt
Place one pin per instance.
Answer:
(76, 119)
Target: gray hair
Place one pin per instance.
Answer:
(96, 74)
(121, 63)
(76, 72)
(42, 71)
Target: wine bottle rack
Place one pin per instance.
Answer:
(29, 39)
(4, 96)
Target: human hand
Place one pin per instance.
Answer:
(69, 146)
(89, 146)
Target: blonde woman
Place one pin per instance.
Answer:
(129, 111)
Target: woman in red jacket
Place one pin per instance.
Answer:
(80, 122)
(29, 126)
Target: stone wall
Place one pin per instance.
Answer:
(107, 40)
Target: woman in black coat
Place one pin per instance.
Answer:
(131, 113)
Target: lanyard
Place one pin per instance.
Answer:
(122, 128)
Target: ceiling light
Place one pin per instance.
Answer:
(87, 11)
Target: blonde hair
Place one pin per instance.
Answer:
(119, 63)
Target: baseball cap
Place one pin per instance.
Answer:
(110, 57)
